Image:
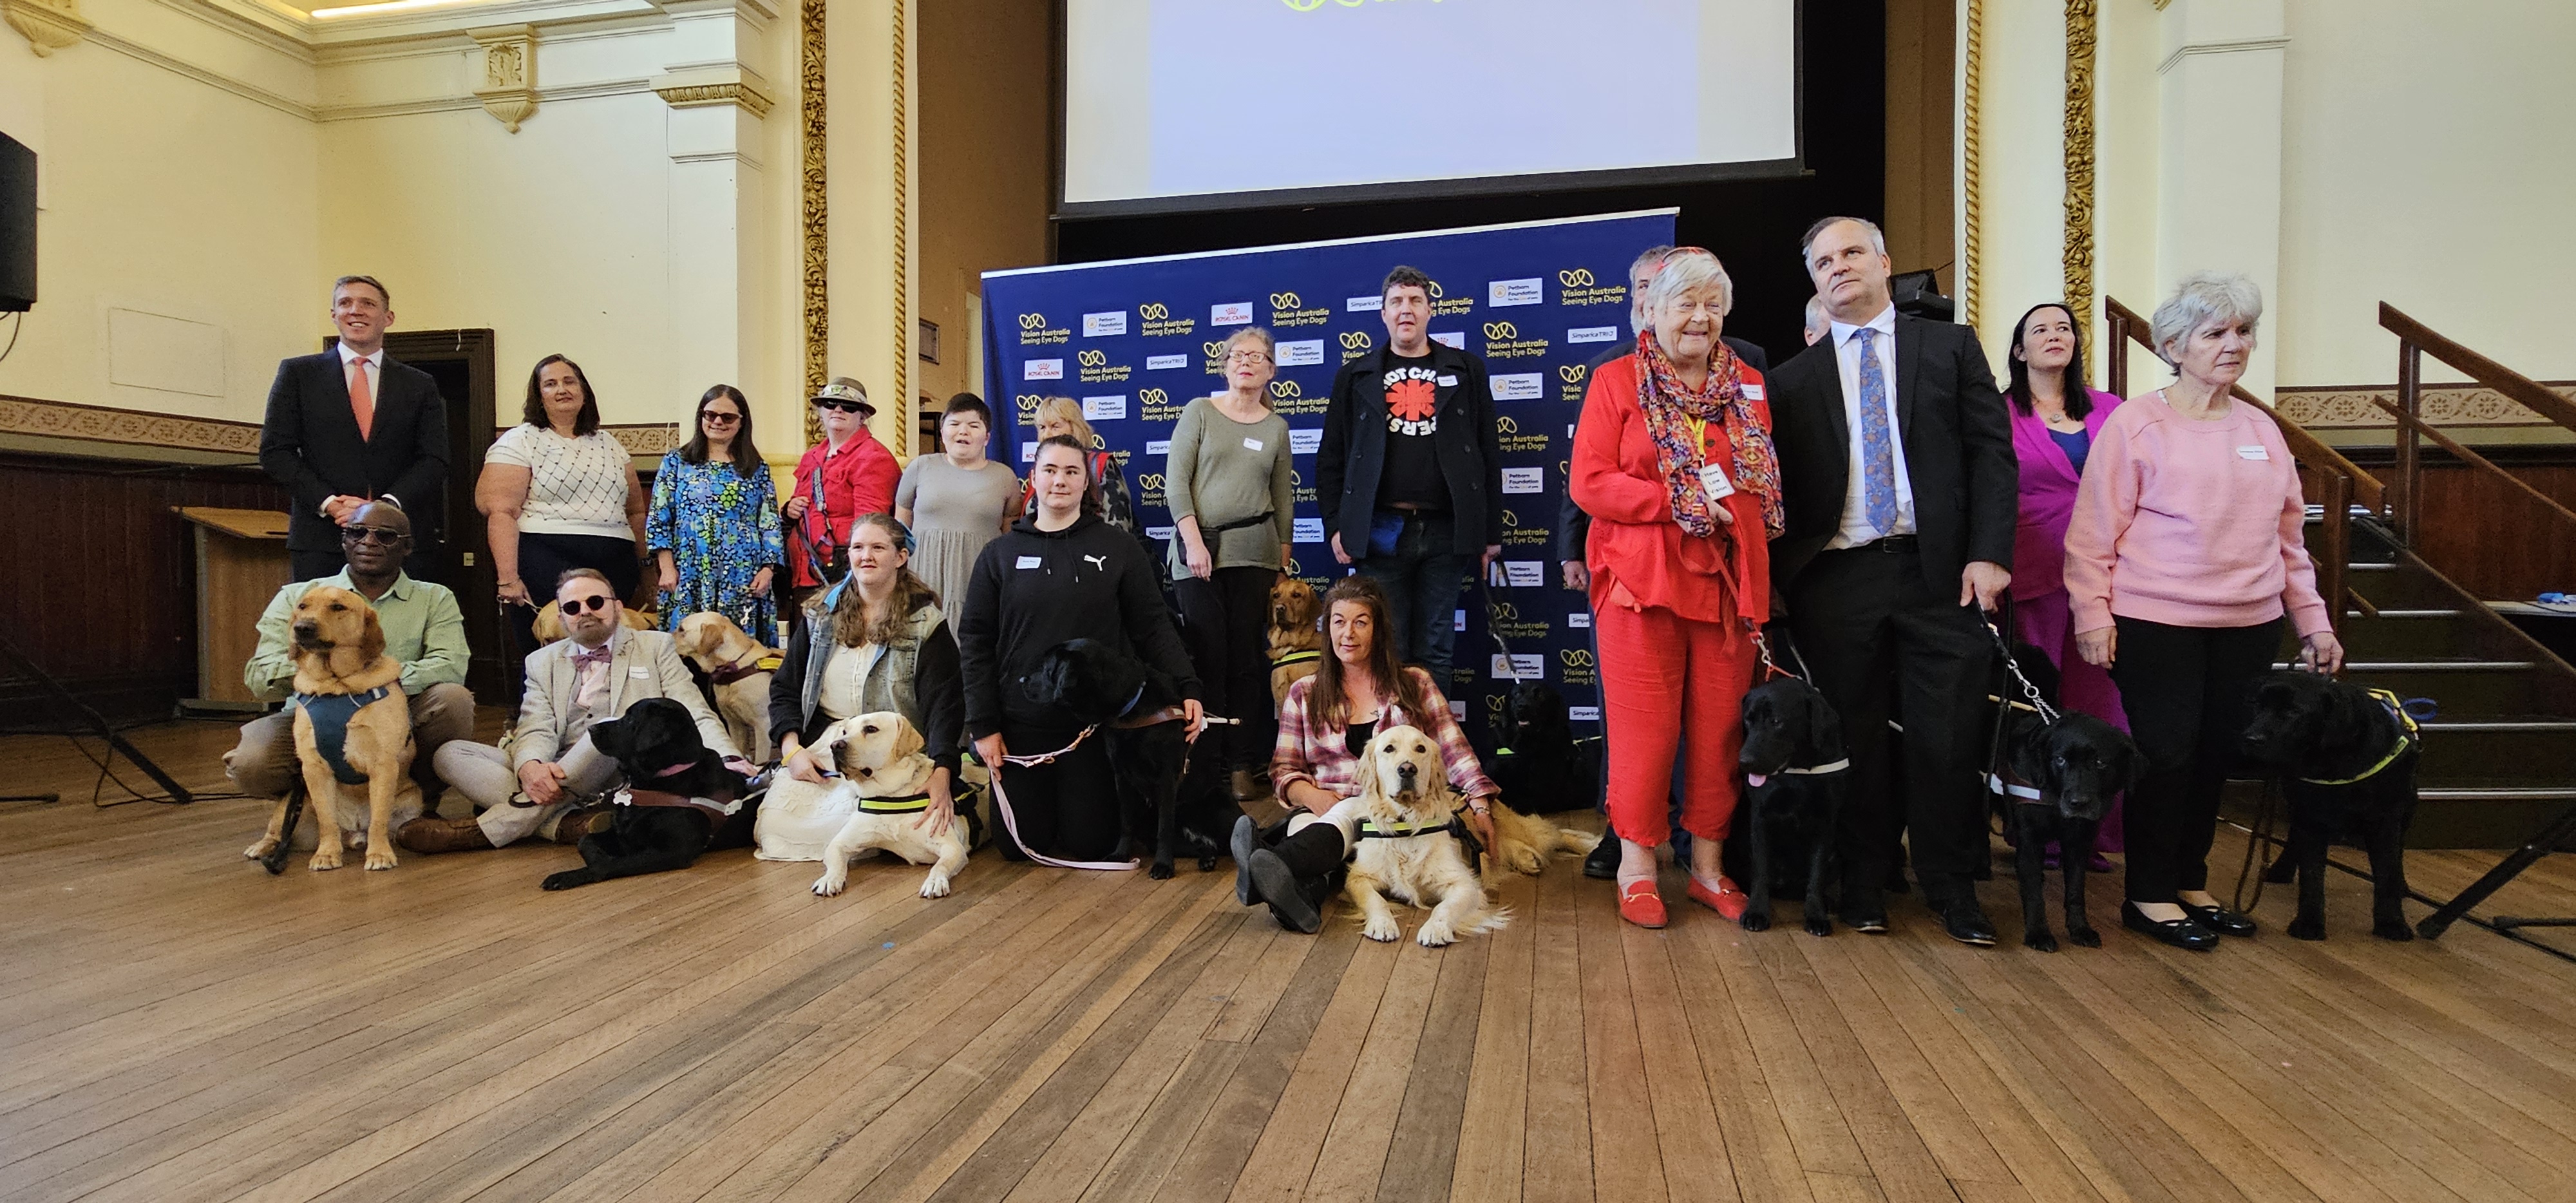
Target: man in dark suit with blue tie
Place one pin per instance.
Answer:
(1899, 482)
(350, 426)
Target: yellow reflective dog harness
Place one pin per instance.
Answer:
(2409, 733)
(908, 804)
(1371, 829)
(1307, 656)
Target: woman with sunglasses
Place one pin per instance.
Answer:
(848, 474)
(558, 493)
(714, 522)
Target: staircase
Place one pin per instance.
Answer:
(2499, 760)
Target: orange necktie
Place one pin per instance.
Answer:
(361, 402)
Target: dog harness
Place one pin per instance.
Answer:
(331, 713)
(716, 813)
(2409, 733)
(906, 805)
(1371, 829)
(767, 661)
(1308, 656)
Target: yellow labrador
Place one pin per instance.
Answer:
(1405, 851)
(879, 758)
(352, 732)
(740, 668)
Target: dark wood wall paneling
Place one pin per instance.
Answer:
(102, 578)
(2489, 536)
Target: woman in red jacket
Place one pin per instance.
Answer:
(1673, 460)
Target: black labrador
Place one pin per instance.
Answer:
(676, 793)
(1135, 706)
(2063, 775)
(1796, 768)
(2347, 765)
(1540, 765)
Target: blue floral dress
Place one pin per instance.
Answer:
(721, 530)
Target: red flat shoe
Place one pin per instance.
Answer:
(1639, 904)
(1727, 900)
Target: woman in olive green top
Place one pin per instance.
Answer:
(1233, 515)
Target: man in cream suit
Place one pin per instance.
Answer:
(550, 780)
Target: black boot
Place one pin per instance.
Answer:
(1292, 876)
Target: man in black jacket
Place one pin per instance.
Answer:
(350, 426)
(1408, 470)
(1899, 482)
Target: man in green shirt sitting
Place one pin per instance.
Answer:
(423, 630)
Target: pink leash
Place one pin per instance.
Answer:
(1011, 823)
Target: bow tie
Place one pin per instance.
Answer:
(597, 655)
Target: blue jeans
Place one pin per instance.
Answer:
(1422, 581)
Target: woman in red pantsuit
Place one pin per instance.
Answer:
(1673, 460)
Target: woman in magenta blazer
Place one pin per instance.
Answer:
(2055, 419)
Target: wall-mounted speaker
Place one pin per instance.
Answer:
(17, 226)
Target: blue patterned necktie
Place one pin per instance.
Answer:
(1877, 443)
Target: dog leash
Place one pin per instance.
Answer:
(2029, 692)
(1011, 821)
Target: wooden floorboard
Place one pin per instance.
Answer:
(177, 1024)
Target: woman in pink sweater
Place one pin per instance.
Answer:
(2183, 556)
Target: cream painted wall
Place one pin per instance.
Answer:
(2429, 161)
(2022, 153)
(204, 213)
(987, 96)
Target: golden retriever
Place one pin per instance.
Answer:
(1405, 788)
(886, 777)
(550, 625)
(1296, 642)
(1525, 843)
(733, 661)
(339, 650)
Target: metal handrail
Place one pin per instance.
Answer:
(2414, 339)
(2340, 482)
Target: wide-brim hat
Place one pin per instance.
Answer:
(842, 388)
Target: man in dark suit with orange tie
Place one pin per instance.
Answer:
(349, 426)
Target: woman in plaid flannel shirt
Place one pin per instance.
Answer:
(1315, 766)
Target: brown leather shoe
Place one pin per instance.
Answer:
(570, 828)
(442, 835)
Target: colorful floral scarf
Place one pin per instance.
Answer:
(1670, 405)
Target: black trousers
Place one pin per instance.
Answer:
(1225, 620)
(2184, 689)
(1067, 809)
(1884, 644)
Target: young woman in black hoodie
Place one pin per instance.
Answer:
(1059, 574)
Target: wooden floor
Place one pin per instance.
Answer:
(177, 1025)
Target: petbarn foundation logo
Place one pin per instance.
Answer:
(1503, 341)
(1157, 405)
(1574, 375)
(1289, 309)
(1034, 331)
(1517, 535)
(1514, 442)
(1158, 321)
(1578, 667)
(1576, 286)
(1506, 619)
(1355, 343)
(1096, 368)
(1443, 305)
(1519, 667)
(1286, 399)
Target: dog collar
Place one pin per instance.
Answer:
(1302, 657)
(2408, 733)
(1827, 769)
(1371, 829)
(1152, 718)
(908, 804)
(1997, 785)
(718, 812)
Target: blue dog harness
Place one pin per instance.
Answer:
(331, 713)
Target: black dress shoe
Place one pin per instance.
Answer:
(2219, 919)
(2181, 933)
(1603, 862)
(1965, 920)
(1865, 911)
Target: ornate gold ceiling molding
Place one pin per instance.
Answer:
(2081, 19)
(1971, 260)
(509, 89)
(48, 25)
(817, 244)
(699, 96)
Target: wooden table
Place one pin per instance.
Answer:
(241, 564)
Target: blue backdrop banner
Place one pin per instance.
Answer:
(1134, 341)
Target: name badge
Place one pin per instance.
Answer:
(1031, 562)
(2253, 451)
(1252, 444)
(640, 673)
(1448, 382)
(1752, 392)
(1712, 478)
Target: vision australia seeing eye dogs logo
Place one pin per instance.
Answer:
(1285, 300)
(1035, 332)
(1091, 359)
(1580, 277)
(1158, 320)
(1501, 331)
(1032, 321)
(1153, 311)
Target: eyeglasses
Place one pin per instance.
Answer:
(380, 536)
(847, 407)
(575, 605)
(719, 417)
(1249, 356)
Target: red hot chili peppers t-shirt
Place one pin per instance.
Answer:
(1412, 474)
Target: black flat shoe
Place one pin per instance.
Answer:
(1603, 863)
(2181, 933)
(1865, 911)
(1246, 841)
(1274, 883)
(2219, 919)
(1965, 921)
